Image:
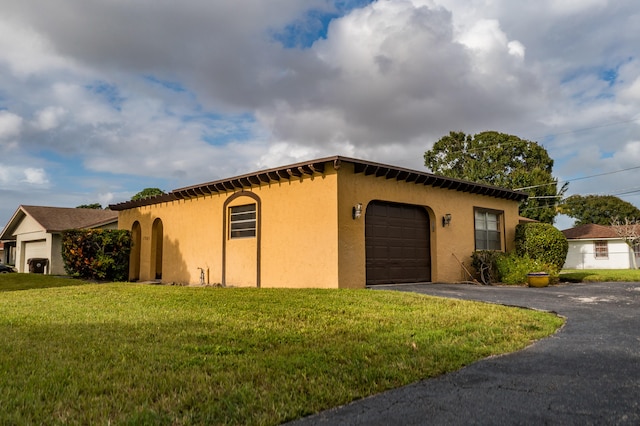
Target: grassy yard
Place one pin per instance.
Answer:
(599, 275)
(142, 354)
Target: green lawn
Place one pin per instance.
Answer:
(142, 354)
(599, 275)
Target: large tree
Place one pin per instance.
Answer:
(502, 160)
(629, 231)
(599, 209)
(96, 206)
(146, 193)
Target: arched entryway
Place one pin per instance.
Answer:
(398, 243)
(157, 235)
(134, 257)
(241, 246)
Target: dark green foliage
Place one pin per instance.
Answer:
(502, 160)
(97, 254)
(539, 248)
(543, 242)
(508, 268)
(146, 193)
(95, 206)
(484, 262)
(598, 209)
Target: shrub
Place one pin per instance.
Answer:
(542, 242)
(484, 262)
(513, 269)
(97, 254)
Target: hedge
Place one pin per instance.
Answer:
(97, 254)
(543, 242)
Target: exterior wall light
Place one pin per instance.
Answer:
(446, 219)
(356, 212)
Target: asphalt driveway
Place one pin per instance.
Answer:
(587, 373)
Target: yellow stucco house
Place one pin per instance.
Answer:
(329, 223)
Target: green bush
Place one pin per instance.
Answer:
(508, 268)
(97, 254)
(513, 269)
(542, 242)
(484, 262)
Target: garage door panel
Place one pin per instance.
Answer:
(34, 249)
(397, 243)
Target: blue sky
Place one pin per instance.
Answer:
(99, 100)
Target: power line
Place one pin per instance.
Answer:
(627, 191)
(578, 178)
(553, 135)
(585, 129)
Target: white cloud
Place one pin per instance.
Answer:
(35, 176)
(25, 51)
(49, 118)
(14, 176)
(632, 92)
(124, 94)
(516, 49)
(10, 125)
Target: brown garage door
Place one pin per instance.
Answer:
(397, 243)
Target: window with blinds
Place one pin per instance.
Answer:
(242, 221)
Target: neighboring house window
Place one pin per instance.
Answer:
(636, 249)
(601, 249)
(487, 225)
(242, 221)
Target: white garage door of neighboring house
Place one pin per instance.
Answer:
(34, 249)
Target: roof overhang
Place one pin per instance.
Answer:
(10, 227)
(317, 167)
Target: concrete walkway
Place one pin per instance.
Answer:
(586, 374)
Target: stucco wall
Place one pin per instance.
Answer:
(306, 234)
(297, 236)
(455, 240)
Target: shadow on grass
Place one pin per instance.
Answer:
(19, 281)
(574, 277)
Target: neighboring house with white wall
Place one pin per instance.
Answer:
(594, 246)
(35, 232)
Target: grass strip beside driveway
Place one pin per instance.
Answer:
(131, 354)
(600, 275)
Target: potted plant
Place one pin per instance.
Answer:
(538, 279)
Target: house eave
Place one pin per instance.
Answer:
(317, 167)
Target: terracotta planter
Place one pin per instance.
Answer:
(538, 279)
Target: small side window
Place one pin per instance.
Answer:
(242, 221)
(601, 249)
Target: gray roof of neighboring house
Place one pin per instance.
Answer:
(311, 168)
(58, 219)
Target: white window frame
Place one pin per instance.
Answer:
(601, 252)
